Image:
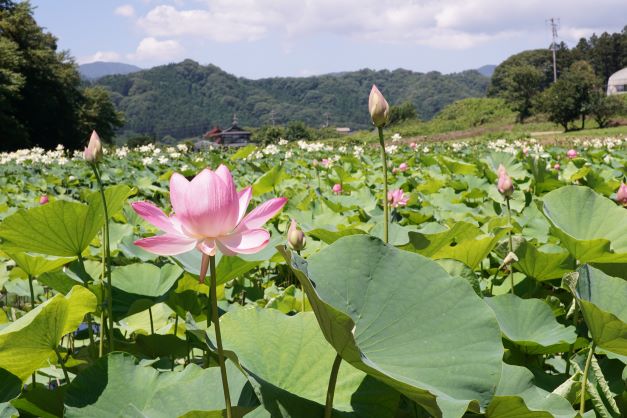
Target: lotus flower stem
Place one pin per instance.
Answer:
(107, 257)
(62, 363)
(152, 324)
(90, 330)
(328, 407)
(584, 379)
(511, 245)
(386, 214)
(176, 323)
(213, 308)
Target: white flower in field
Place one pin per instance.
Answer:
(184, 167)
(391, 149)
(358, 151)
(288, 154)
(163, 160)
(198, 160)
(170, 150)
(71, 178)
(181, 147)
(396, 137)
(283, 142)
(147, 160)
(342, 149)
(607, 159)
(175, 154)
(425, 149)
(156, 151)
(62, 161)
(271, 150)
(60, 147)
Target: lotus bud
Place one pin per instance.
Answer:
(296, 237)
(337, 188)
(621, 194)
(378, 108)
(43, 199)
(500, 170)
(93, 151)
(556, 166)
(413, 146)
(403, 167)
(509, 259)
(505, 185)
(571, 153)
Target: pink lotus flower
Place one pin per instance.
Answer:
(413, 146)
(378, 107)
(43, 199)
(621, 194)
(93, 151)
(209, 215)
(296, 237)
(556, 166)
(505, 185)
(397, 198)
(326, 163)
(403, 167)
(500, 170)
(337, 188)
(571, 153)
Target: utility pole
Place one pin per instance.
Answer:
(327, 115)
(554, 27)
(272, 115)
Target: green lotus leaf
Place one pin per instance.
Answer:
(10, 387)
(530, 325)
(28, 343)
(329, 237)
(59, 228)
(514, 168)
(403, 319)
(602, 301)
(136, 287)
(38, 264)
(590, 226)
(283, 372)
(517, 397)
(269, 180)
(115, 386)
(540, 264)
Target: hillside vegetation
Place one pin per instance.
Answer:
(186, 98)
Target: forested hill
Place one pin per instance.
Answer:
(186, 98)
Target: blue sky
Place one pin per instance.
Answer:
(265, 38)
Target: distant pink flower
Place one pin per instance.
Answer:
(397, 198)
(621, 194)
(209, 215)
(571, 153)
(403, 167)
(413, 145)
(394, 170)
(337, 188)
(43, 199)
(326, 163)
(556, 166)
(525, 151)
(505, 185)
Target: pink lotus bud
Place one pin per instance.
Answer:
(571, 153)
(337, 188)
(296, 237)
(556, 166)
(413, 146)
(326, 163)
(500, 170)
(397, 198)
(378, 107)
(403, 167)
(526, 151)
(505, 185)
(394, 170)
(621, 194)
(93, 151)
(43, 199)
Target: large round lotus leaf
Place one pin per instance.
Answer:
(542, 263)
(28, 343)
(60, 228)
(402, 318)
(291, 369)
(590, 226)
(602, 300)
(517, 397)
(38, 264)
(136, 287)
(530, 325)
(115, 386)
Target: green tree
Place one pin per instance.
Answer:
(522, 84)
(97, 112)
(297, 130)
(402, 112)
(603, 108)
(269, 134)
(41, 99)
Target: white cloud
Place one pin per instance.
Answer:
(106, 56)
(125, 10)
(440, 23)
(152, 49)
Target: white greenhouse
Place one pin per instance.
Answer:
(617, 83)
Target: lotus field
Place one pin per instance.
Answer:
(266, 282)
